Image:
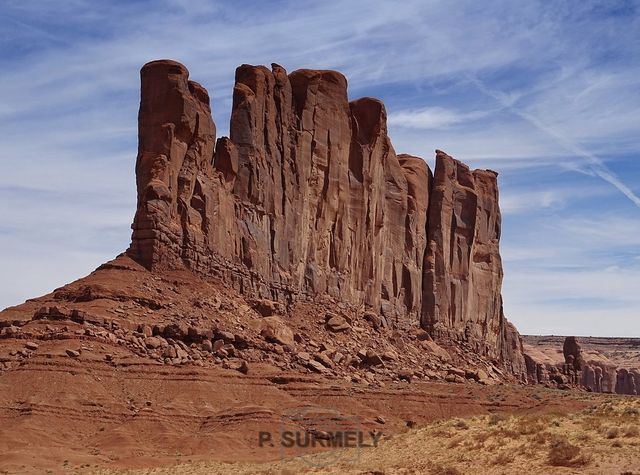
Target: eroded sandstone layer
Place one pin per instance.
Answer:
(308, 198)
(601, 365)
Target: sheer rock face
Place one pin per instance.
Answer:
(308, 197)
(462, 264)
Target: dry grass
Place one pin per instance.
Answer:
(563, 453)
(602, 439)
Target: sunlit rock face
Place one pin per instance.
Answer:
(307, 197)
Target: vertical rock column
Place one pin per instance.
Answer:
(176, 137)
(462, 265)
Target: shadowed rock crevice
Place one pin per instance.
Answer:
(308, 197)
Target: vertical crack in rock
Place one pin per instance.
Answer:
(308, 197)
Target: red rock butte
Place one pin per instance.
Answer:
(307, 197)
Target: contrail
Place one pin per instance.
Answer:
(596, 164)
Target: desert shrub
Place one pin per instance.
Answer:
(495, 419)
(583, 437)
(630, 431)
(508, 433)
(592, 423)
(461, 424)
(540, 438)
(617, 444)
(564, 454)
(529, 426)
(612, 433)
(482, 436)
(502, 459)
(444, 470)
(453, 443)
(631, 411)
(441, 432)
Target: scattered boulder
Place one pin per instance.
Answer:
(454, 378)
(217, 345)
(316, 366)
(177, 331)
(457, 372)
(274, 330)
(228, 337)
(324, 359)
(373, 318)
(239, 365)
(229, 349)
(431, 374)
(432, 347)
(406, 375)
(389, 356)
(198, 335)
(304, 356)
(154, 342)
(373, 359)
(482, 377)
(267, 308)
(244, 367)
(206, 345)
(11, 330)
(337, 324)
(170, 352)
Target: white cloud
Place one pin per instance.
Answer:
(432, 118)
(531, 200)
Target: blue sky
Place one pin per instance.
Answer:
(546, 93)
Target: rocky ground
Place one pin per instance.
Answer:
(126, 368)
(602, 439)
(123, 314)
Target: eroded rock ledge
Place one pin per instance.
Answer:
(308, 197)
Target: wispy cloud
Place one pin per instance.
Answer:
(547, 94)
(596, 164)
(432, 118)
(531, 200)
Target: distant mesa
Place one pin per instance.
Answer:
(601, 365)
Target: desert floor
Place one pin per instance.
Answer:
(602, 439)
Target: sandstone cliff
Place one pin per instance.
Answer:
(307, 197)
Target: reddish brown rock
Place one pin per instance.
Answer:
(573, 353)
(462, 265)
(627, 382)
(589, 378)
(308, 197)
(276, 331)
(176, 137)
